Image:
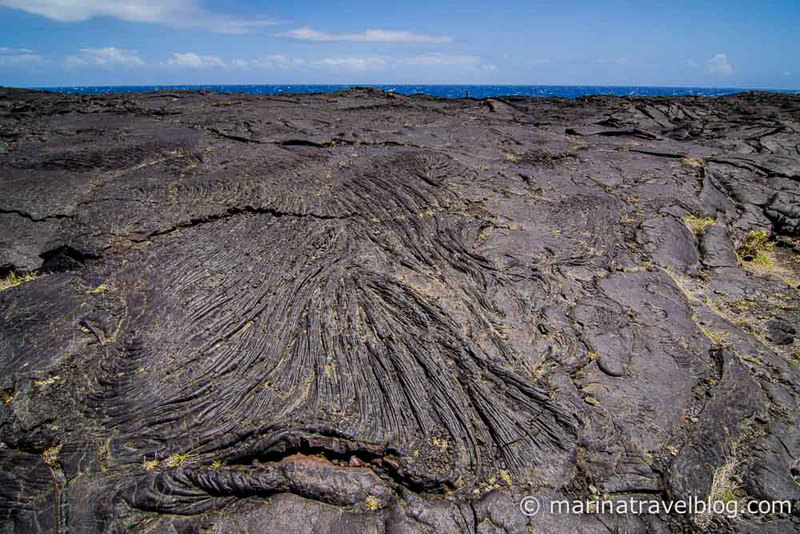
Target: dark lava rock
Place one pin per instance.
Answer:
(364, 312)
(717, 249)
(780, 332)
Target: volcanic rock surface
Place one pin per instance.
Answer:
(369, 312)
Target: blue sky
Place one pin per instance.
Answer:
(715, 43)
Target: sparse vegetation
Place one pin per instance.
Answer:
(723, 488)
(513, 158)
(149, 465)
(692, 162)
(50, 456)
(755, 246)
(177, 459)
(759, 256)
(742, 305)
(372, 502)
(102, 288)
(719, 339)
(751, 359)
(47, 381)
(763, 260)
(13, 280)
(697, 225)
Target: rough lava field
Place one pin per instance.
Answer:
(367, 312)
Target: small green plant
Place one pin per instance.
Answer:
(742, 305)
(755, 246)
(513, 158)
(763, 260)
(50, 456)
(440, 443)
(372, 502)
(177, 459)
(102, 288)
(13, 280)
(697, 225)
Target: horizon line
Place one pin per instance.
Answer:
(357, 84)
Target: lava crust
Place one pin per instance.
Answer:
(363, 311)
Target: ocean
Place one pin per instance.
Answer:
(441, 91)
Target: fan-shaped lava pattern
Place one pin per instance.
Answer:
(302, 324)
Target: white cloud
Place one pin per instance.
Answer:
(339, 64)
(692, 63)
(104, 57)
(374, 36)
(719, 64)
(195, 61)
(786, 73)
(175, 13)
(613, 60)
(280, 61)
(10, 57)
(276, 61)
(442, 59)
(358, 64)
(4, 50)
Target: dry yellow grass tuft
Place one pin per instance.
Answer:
(149, 465)
(50, 456)
(693, 162)
(14, 279)
(697, 225)
(372, 502)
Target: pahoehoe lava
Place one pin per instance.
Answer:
(363, 311)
